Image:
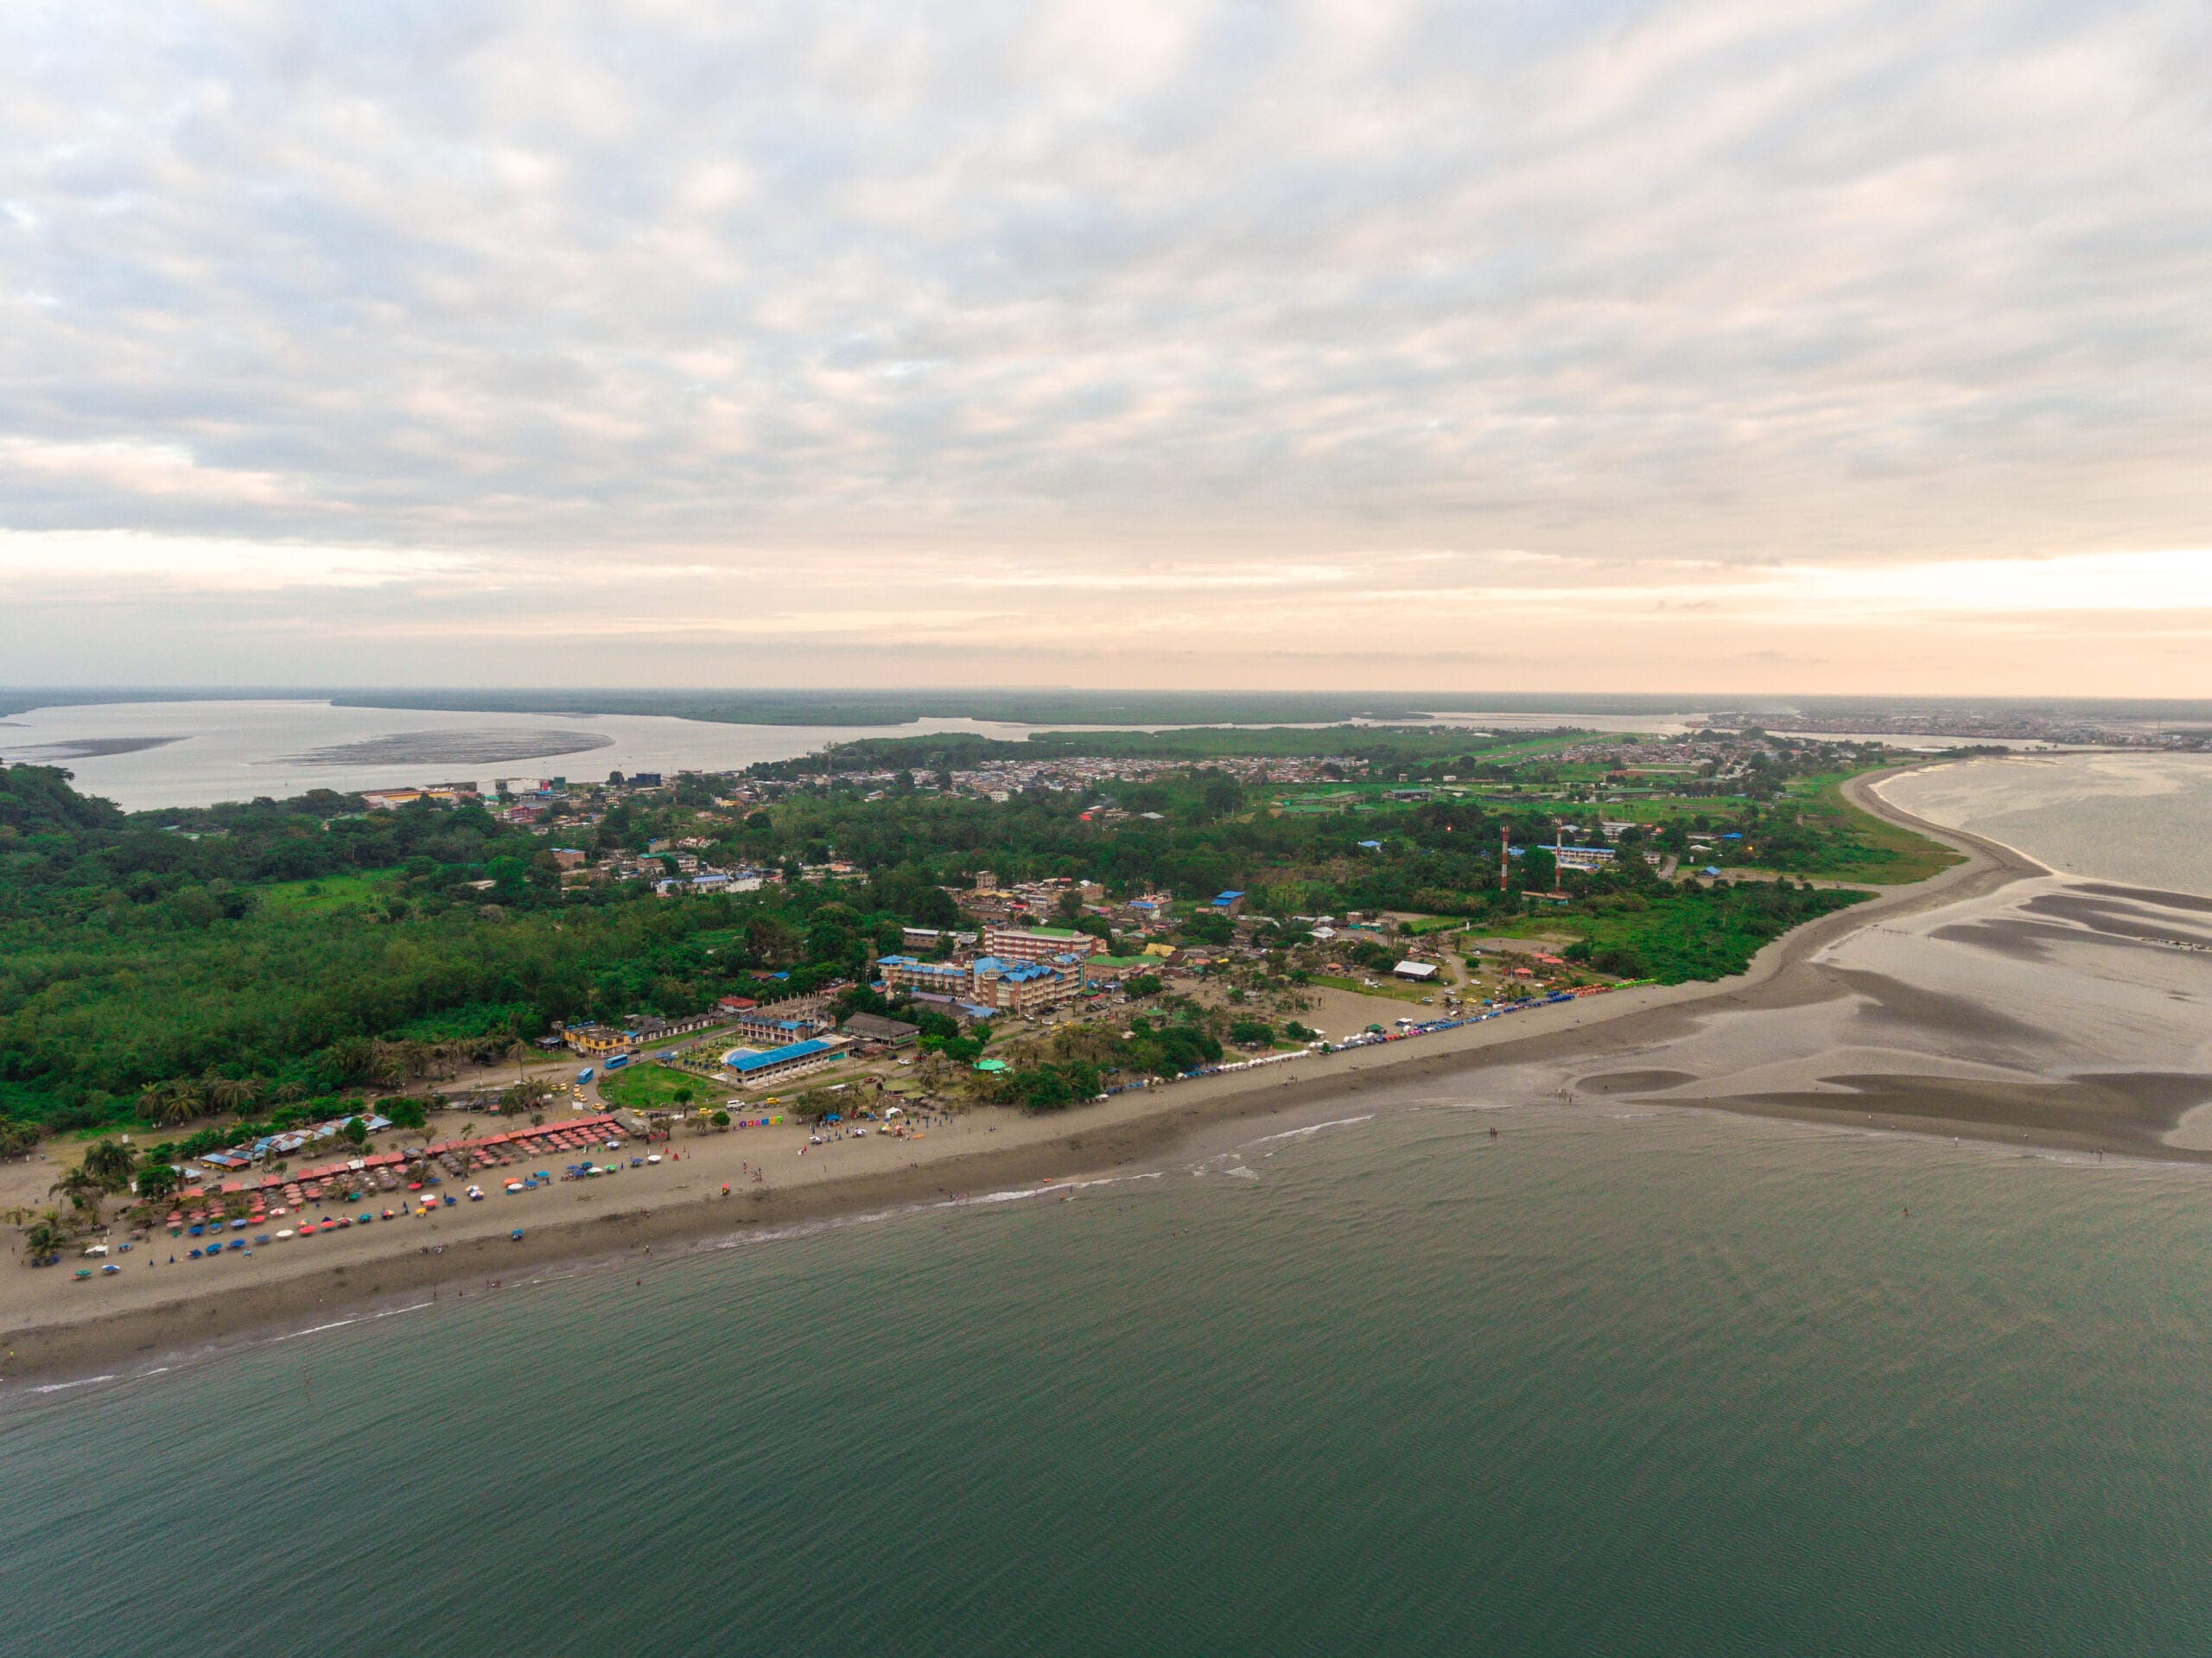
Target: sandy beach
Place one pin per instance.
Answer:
(1893, 1014)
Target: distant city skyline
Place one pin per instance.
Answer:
(1701, 347)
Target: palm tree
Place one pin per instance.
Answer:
(44, 1236)
(180, 1102)
(519, 1051)
(84, 1192)
(227, 1093)
(387, 1063)
(112, 1163)
(287, 1094)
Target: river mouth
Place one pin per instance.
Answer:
(486, 747)
(82, 749)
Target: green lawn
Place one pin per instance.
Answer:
(644, 1087)
(332, 893)
(1397, 989)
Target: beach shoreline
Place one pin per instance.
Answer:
(712, 1189)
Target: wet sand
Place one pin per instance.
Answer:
(1815, 1030)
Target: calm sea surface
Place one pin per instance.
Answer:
(1614, 1382)
(1610, 1382)
(2140, 818)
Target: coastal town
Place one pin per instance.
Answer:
(821, 957)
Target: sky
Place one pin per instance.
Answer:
(1841, 345)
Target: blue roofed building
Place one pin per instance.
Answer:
(751, 1065)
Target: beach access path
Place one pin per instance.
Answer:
(52, 1324)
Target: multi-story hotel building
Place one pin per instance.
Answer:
(1036, 944)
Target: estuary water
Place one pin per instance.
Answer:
(2142, 818)
(1613, 1381)
(147, 755)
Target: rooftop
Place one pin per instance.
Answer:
(745, 1064)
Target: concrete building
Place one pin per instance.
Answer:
(1580, 857)
(1101, 971)
(874, 1027)
(766, 1025)
(775, 1065)
(1027, 988)
(924, 978)
(593, 1040)
(1037, 943)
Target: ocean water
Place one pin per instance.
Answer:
(2145, 819)
(1611, 1381)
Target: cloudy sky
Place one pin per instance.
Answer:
(1839, 345)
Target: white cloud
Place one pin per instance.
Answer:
(1085, 320)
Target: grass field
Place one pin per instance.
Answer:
(652, 1087)
(1868, 848)
(1396, 989)
(307, 897)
